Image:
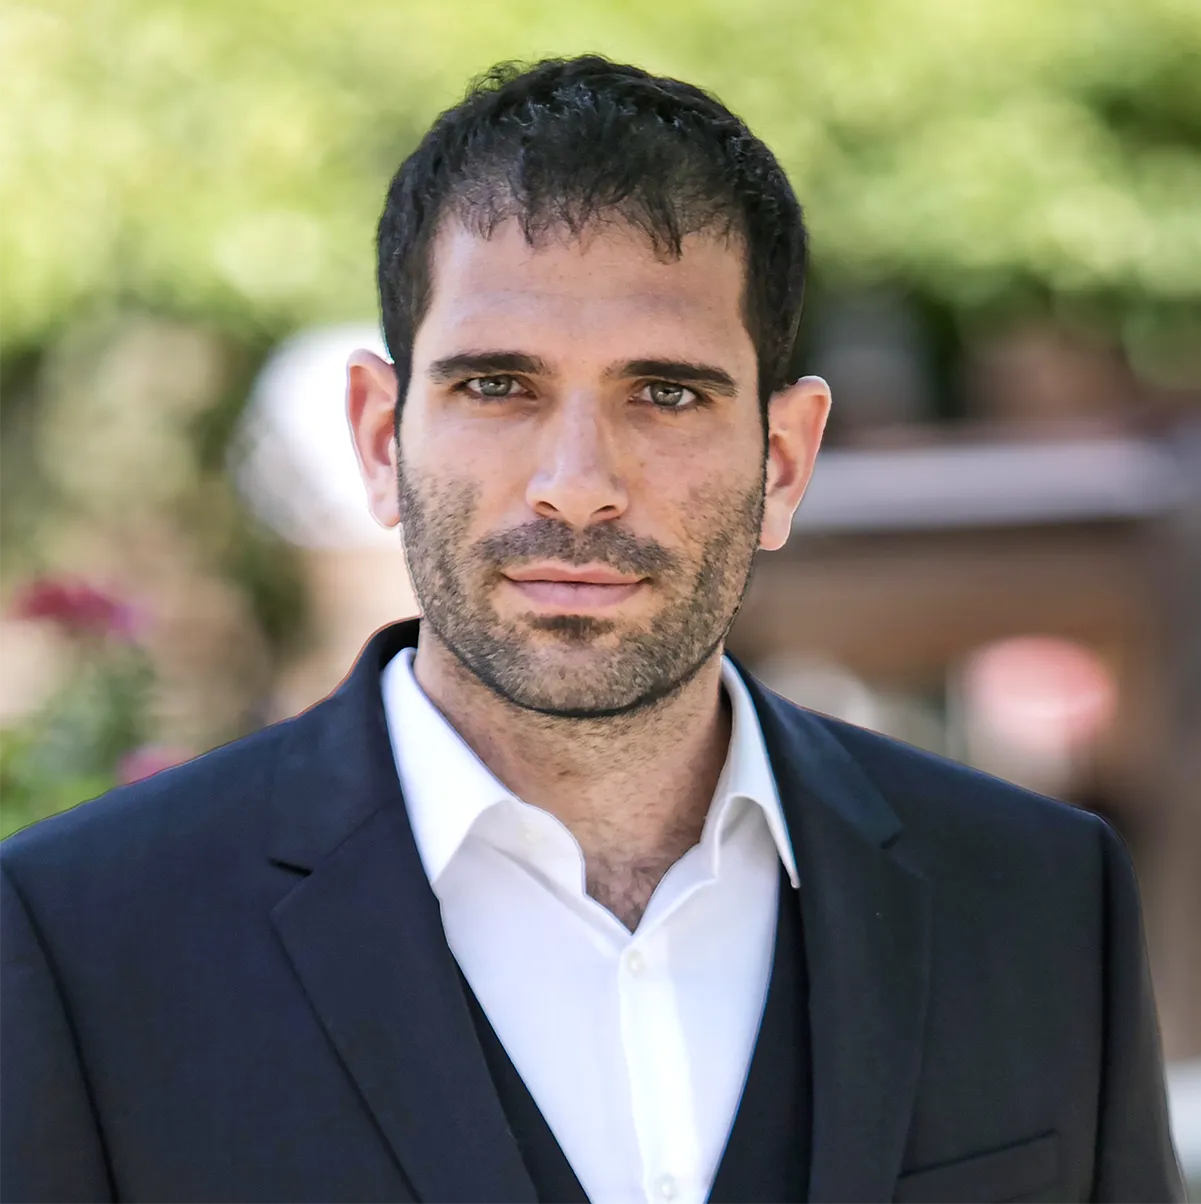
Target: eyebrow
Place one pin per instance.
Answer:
(482, 363)
(682, 372)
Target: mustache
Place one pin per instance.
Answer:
(548, 539)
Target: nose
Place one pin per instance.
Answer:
(577, 480)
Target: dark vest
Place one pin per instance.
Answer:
(766, 1159)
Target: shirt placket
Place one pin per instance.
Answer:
(657, 1064)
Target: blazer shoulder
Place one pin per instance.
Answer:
(948, 801)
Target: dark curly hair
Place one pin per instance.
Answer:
(568, 142)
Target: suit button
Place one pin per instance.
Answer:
(668, 1188)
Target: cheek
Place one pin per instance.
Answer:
(715, 515)
(704, 483)
(726, 505)
(444, 441)
(448, 510)
(445, 457)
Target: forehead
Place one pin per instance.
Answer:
(603, 293)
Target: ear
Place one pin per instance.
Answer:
(796, 419)
(371, 411)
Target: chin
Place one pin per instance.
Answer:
(581, 682)
(579, 705)
(581, 630)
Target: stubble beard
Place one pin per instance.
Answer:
(578, 666)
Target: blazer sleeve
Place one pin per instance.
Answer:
(1136, 1160)
(50, 1145)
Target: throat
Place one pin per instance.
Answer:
(624, 887)
(625, 861)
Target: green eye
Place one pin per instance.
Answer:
(493, 386)
(669, 396)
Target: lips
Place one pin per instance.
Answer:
(570, 589)
(587, 574)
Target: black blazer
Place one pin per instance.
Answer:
(230, 982)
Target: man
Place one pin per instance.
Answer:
(551, 901)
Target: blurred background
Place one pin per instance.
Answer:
(1000, 555)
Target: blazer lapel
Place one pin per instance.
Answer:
(867, 936)
(364, 934)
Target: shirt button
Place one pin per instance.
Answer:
(668, 1189)
(635, 962)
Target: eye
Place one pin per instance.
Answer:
(668, 396)
(490, 386)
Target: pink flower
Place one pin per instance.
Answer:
(78, 608)
(148, 759)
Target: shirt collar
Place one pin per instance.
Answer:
(747, 774)
(447, 788)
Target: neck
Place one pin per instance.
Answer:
(634, 790)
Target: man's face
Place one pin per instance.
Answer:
(581, 463)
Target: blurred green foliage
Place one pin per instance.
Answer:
(183, 183)
(73, 747)
(31, 790)
(227, 158)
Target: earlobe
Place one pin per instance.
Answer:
(370, 411)
(796, 421)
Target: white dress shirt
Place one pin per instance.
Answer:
(635, 1046)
